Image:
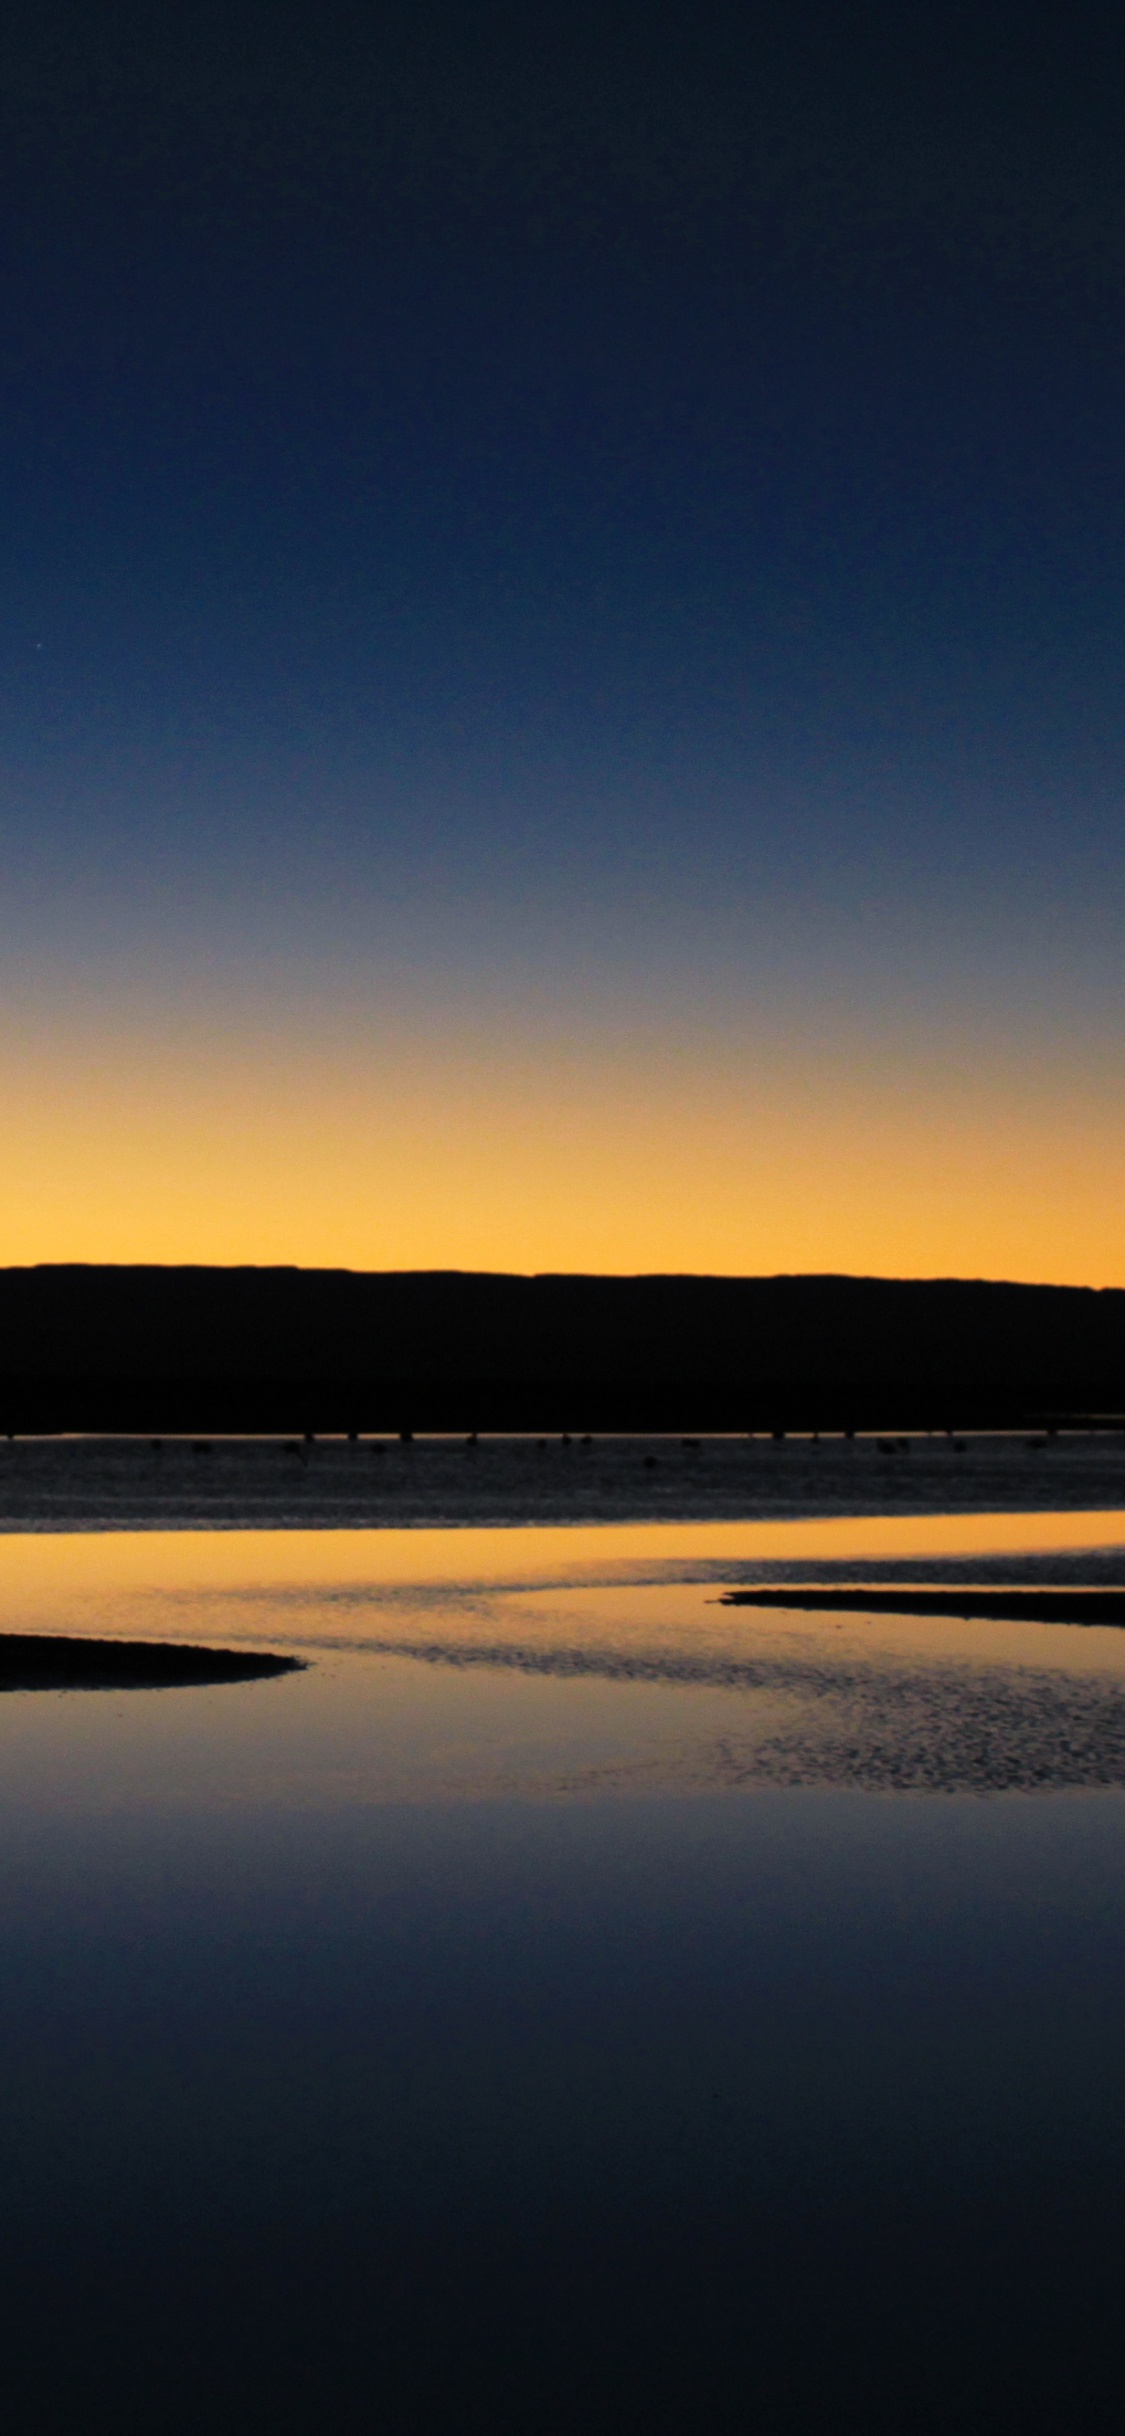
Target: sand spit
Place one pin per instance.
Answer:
(1079, 1606)
(61, 1662)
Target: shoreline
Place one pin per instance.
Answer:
(137, 1484)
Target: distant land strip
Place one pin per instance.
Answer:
(42, 1662)
(249, 1350)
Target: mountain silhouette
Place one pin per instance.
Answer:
(249, 1349)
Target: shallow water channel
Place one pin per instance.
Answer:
(567, 2002)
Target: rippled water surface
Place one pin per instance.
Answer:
(568, 2002)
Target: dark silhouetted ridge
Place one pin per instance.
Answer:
(196, 1349)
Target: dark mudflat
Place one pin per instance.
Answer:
(1005, 1606)
(41, 1662)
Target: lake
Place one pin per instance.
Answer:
(568, 2002)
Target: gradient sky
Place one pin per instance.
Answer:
(562, 636)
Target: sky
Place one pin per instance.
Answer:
(561, 690)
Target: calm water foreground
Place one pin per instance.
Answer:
(569, 2003)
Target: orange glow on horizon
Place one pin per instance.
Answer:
(371, 1154)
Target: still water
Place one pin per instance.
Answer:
(568, 2003)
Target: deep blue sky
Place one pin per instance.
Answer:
(583, 496)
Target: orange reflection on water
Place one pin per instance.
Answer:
(38, 1568)
(532, 1663)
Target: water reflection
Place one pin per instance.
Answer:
(536, 2014)
(464, 1665)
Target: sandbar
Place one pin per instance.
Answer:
(34, 1662)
